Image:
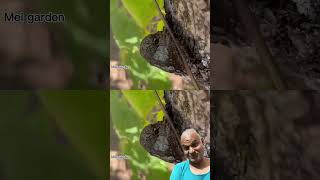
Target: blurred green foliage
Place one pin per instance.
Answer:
(129, 111)
(53, 135)
(84, 36)
(130, 21)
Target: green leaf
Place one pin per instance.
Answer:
(127, 108)
(133, 130)
(127, 35)
(141, 101)
(123, 27)
(160, 26)
(132, 40)
(30, 143)
(81, 114)
(142, 11)
(122, 115)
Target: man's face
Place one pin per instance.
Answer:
(192, 147)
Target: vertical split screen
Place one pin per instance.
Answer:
(178, 90)
(160, 89)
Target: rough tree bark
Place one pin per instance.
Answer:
(190, 23)
(289, 28)
(268, 135)
(187, 109)
(190, 20)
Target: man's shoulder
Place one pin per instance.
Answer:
(182, 164)
(179, 170)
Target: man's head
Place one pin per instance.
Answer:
(192, 145)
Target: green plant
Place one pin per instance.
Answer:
(53, 135)
(130, 112)
(130, 22)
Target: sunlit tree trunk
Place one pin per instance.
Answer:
(190, 22)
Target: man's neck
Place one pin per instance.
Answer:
(201, 164)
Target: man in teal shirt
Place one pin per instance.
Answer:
(197, 167)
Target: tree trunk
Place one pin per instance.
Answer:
(187, 109)
(190, 21)
(289, 29)
(266, 135)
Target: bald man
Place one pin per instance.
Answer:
(197, 167)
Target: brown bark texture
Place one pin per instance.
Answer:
(190, 22)
(270, 135)
(288, 29)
